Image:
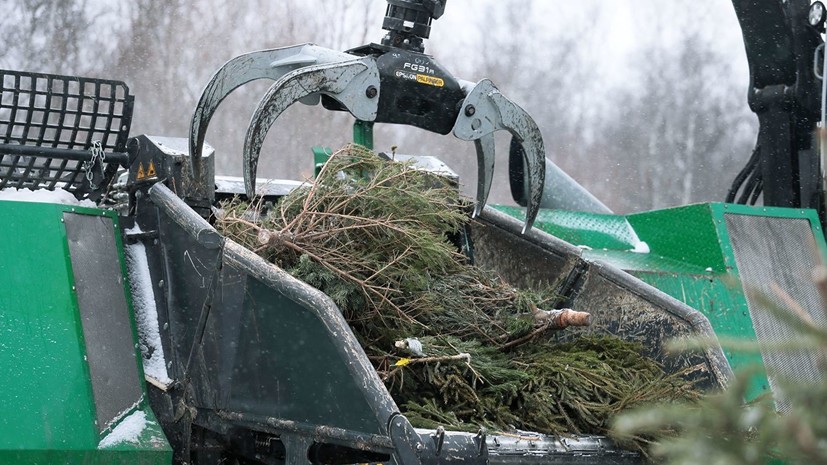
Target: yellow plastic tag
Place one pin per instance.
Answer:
(430, 80)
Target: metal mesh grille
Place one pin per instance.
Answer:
(782, 252)
(40, 173)
(59, 112)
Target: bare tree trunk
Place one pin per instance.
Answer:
(48, 36)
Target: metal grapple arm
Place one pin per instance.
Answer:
(393, 82)
(785, 94)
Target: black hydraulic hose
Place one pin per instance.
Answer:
(748, 170)
(738, 182)
(758, 190)
(754, 180)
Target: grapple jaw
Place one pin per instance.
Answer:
(264, 64)
(484, 111)
(370, 83)
(354, 84)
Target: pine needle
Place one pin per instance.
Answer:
(374, 236)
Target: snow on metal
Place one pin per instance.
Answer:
(128, 430)
(43, 196)
(146, 314)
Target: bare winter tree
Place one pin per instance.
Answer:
(47, 36)
(538, 66)
(670, 137)
(681, 132)
(168, 50)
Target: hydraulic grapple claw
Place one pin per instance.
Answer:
(485, 169)
(264, 64)
(354, 84)
(484, 111)
(393, 83)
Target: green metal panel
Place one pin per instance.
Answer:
(151, 448)
(690, 258)
(720, 298)
(687, 234)
(594, 230)
(47, 409)
(697, 234)
(320, 157)
(363, 133)
(630, 261)
(78, 457)
(46, 396)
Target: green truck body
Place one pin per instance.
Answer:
(53, 409)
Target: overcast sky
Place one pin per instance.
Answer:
(619, 27)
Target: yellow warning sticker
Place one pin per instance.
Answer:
(430, 80)
(150, 172)
(141, 172)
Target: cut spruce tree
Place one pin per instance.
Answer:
(455, 344)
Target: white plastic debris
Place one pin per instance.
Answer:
(128, 430)
(43, 196)
(146, 314)
(412, 345)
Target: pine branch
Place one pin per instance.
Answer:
(372, 235)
